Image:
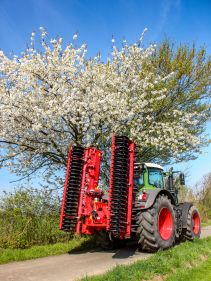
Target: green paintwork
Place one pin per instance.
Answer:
(146, 181)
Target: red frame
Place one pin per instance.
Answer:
(110, 182)
(83, 181)
(130, 191)
(90, 194)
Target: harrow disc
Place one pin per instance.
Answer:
(71, 199)
(119, 190)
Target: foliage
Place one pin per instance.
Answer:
(186, 195)
(205, 191)
(29, 217)
(203, 196)
(200, 195)
(55, 96)
(189, 88)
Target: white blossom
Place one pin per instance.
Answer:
(57, 97)
(75, 36)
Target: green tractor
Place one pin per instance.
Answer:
(159, 218)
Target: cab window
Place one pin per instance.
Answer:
(155, 177)
(139, 180)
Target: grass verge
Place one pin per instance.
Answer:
(76, 244)
(200, 272)
(180, 263)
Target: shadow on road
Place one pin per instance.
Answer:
(121, 253)
(125, 252)
(84, 247)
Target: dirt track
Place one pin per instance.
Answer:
(72, 266)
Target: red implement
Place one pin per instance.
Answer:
(84, 208)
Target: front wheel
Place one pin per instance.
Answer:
(157, 226)
(193, 229)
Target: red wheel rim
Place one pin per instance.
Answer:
(165, 223)
(196, 223)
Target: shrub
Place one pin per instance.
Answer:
(30, 216)
(203, 196)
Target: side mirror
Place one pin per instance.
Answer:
(182, 178)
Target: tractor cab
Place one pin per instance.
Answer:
(148, 176)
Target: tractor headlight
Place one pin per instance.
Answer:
(143, 196)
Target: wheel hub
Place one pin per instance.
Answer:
(196, 223)
(165, 223)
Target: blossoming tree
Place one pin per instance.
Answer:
(56, 97)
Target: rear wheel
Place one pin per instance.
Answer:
(157, 225)
(193, 229)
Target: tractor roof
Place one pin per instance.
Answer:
(153, 165)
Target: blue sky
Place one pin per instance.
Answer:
(96, 21)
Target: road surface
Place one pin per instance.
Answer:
(70, 267)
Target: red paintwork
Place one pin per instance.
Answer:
(165, 224)
(111, 181)
(99, 222)
(196, 223)
(83, 182)
(62, 214)
(130, 189)
(93, 211)
(144, 196)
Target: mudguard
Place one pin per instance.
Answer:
(185, 207)
(152, 195)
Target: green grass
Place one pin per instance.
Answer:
(172, 265)
(76, 244)
(198, 272)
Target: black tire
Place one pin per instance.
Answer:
(119, 243)
(149, 235)
(103, 240)
(193, 229)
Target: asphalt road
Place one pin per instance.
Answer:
(72, 266)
